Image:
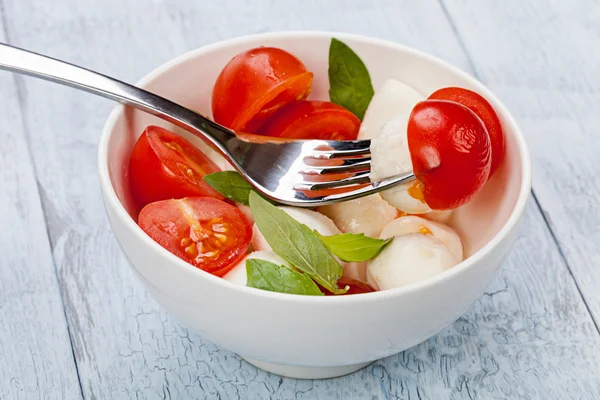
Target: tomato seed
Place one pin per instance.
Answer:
(219, 228)
(168, 227)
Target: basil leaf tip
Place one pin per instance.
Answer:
(231, 185)
(296, 243)
(349, 80)
(266, 275)
(353, 247)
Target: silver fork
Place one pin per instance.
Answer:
(284, 171)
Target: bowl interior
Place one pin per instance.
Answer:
(189, 79)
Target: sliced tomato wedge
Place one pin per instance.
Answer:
(164, 165)
(255, 84)
(450, 152)
(205, 232)
(484, 110)
(314, 120)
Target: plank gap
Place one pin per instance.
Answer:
(459, 38)
(537, 203)
(18, 81)
(563, 257)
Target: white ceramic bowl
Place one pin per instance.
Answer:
(303, 336)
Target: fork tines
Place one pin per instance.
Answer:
(346, 164)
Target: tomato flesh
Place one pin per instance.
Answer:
(255, 84)
(164, 165)
(205, 232)
(450, 152)
(484, 110)
(356, 287)
(314, 120)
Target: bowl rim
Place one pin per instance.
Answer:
(111, 197)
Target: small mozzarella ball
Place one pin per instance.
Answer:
(392, 98)
(312, 219)
(442, 216)
(366, 215)
(238, 275)
(408, 259)
(247, 211)
(390, 156)
(414, 224)
(356, 271)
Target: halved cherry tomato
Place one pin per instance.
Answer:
(255, 84)
(484, 110)
(313, 120)
(164, 165)
(205, 232)
(450, 152)
(356, 287)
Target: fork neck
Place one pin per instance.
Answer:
(25, 62)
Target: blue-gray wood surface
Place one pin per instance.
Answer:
(75, 323)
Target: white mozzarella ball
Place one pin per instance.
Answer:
(442, 216)
(312, 219)
(238, 275)
(414, 224)
(392, 98)
(366, 215)
(408, 259)
(390, 156)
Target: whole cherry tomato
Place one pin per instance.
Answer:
(484, 110)
(255, 84)
(450, 152)
(164, 165)
(205, 232)
(313, 120)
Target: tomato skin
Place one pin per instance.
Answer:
(313, 120)
(356, 287)
(157, 172)
(255, 84)
(484, 110)
(450, 152)
(179, 225)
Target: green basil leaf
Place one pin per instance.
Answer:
(353, 247)
(278, 278)
(231, 185)
(296, 243)
(349, 80)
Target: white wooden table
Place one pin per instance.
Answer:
(75, 323)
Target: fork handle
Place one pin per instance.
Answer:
(28, 63)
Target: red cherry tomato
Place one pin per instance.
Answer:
(255, 84)
(313, 120)
(356, 287)
(450, 152)
(164, 165)
(205, 232)
(484, 110)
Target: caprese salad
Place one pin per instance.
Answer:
(198, 208)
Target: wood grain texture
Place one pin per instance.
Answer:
(539, 58)
(529, 337)
(35, 351)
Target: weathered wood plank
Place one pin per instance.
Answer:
(530, 336)
(36, 360)
(539, 57)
